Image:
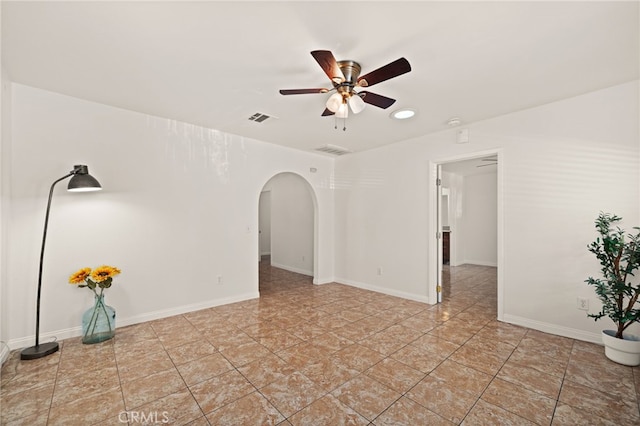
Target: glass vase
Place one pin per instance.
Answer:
(98, 322)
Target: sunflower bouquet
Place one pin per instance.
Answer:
(99, 321)
(101, 277)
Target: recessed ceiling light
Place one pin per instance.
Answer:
(403, 114)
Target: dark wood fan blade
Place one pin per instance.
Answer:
(327, 112)
(301, 91)
(391, 70)
(377, 100)
(329, 65)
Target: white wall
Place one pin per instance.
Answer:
(561, 164)
(473, 217)
(455, 183)
(480, 219)
(5, 167)
(264, 222)
(381, 216)
(5, 152)
(292, 223)
(179, 208)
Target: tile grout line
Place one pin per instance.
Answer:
(495, 376)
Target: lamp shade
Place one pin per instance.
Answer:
(82, 181)
(334, 102)
(343, 111)
(356, 103)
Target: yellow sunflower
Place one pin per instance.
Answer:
(102, 273)
(80, 276)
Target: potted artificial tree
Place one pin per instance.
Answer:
(618, 289)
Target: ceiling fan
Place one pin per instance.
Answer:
(345, 78)
(491, 161)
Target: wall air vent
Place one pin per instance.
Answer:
(333, 150)
(259, 117)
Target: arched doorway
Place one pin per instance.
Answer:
(287, 229)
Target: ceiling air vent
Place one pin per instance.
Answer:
(333, 150)
(259, 117)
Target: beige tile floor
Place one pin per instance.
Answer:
(327, 355)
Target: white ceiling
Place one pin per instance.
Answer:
(217, 63)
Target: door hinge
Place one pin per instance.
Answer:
(438, 235)
(438, 181)
(439, 289)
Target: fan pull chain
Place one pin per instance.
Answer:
(335, 125)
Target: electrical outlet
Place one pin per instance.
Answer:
(583, 303)
(379, 270)
(219, 279)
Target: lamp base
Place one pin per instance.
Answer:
(39, 351)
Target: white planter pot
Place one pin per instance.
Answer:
(624, 351)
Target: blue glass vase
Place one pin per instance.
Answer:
(98, 322)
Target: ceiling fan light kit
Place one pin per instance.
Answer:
(343, 111)
(356, 103)
(345, 78)
(334, 102)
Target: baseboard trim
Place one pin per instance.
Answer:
(136, 319)
(384, 290)
(292, 269)
(554, 329)
(479, 263)
(321, 281)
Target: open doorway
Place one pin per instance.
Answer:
(286, 219)
(264, 225)
(468, 221)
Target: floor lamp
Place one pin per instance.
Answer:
(80, 182)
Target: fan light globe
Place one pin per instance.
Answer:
(334, 102)
(343, 111)
(356, 103)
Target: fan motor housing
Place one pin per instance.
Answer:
(350, 70)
